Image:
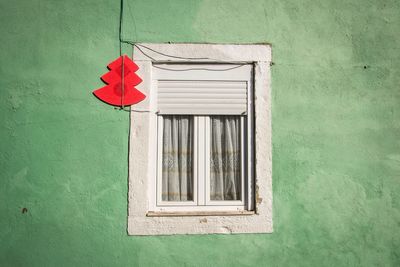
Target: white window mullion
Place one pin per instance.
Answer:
(207, 159)
(159, 159)
(249, 135)
(201, 160)
(243, 164)
(195, 161)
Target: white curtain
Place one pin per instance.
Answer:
(225, 158)
(177, 153)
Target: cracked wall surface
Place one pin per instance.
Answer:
(335, 132)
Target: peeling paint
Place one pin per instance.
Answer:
(258, 198)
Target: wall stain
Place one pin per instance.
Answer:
(203, 220)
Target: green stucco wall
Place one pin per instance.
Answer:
(336, 132)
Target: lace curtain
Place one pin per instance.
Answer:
(225, 158)
(177, 167)
(177, 173)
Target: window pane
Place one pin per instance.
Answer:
(225, 178)
(177, 155)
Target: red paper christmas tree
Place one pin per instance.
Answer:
(121, 81)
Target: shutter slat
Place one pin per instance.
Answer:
(201, 84)
(202, 97)
(202, 101)
(202, 91)
(191, 95)
(198, 105)
(173, 111)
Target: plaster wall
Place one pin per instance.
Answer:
(335, 132)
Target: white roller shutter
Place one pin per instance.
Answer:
(203, 91)
(202, 97)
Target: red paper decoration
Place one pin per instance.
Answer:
(112, 93)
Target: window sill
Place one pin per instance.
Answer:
(198, 213)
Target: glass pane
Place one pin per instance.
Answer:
(177, 155)
(225, 164)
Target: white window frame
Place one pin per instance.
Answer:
(241, 73)
(144, 218)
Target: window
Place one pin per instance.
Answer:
(204, 137)
(200, 159)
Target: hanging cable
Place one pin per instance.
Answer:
(153, 59)
(121, 13)
(141, 48)
(129, 109)
(206, 69)
(171, 56)
(188, 69)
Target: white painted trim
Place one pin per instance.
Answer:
(183, 77)
(207, 175)
(143, 147)
(201, 162)
(207, 52)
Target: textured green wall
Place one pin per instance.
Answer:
(336, 132)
